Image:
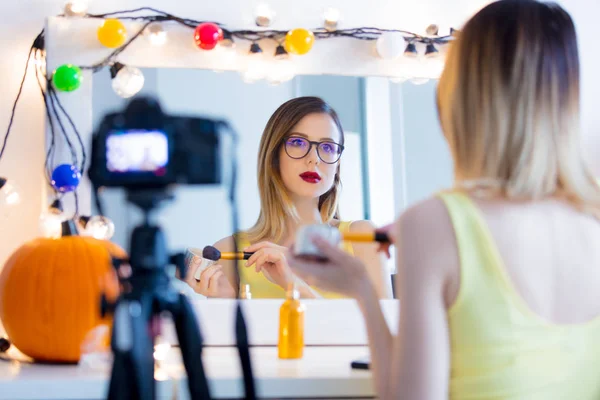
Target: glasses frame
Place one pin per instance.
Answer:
(311, 143)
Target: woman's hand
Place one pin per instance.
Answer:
(271, 260)
(390, 231)
(212, 283)
(341, 273)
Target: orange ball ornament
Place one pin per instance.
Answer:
(299, 41)
(112, 33)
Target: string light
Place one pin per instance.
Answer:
(76, 8)
(390, 45)
(281, 53)
(65, 178)
(156, 34)
(299, 41)
(112, 33)
(419, 81)
(9, 194)
(264, 15)
(67, 78)
(331, 16)
(432, 30)
(126, 81)
(431, 51)
(256, 67)
(227, 40)
(411, 50)
(98, 226)
(207, 35)
(280, 71)
(161, 349)
(50, 222)
(401, 79)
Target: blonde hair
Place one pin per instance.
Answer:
(508, 103)
(275, 202)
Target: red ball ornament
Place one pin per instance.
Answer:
(208, 35)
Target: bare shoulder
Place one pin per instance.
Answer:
(425, 215)
(426, 238)
(226, 244)
(362, 225)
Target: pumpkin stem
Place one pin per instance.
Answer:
(69, 228)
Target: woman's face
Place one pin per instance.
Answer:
(310, 176)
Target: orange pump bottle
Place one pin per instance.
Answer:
(291, 326)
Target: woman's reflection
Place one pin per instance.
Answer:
(299, 183)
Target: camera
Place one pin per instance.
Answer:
(144, 148)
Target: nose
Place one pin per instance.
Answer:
(313, 156)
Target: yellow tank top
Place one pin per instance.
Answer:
(262, 288)
(500, 349)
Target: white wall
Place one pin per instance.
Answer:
(427, 163)
(22, 20)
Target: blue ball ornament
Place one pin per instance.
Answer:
(65, 178)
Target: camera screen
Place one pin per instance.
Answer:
(137, 151)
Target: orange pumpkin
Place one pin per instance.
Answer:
(50, 293)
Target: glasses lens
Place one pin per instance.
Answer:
(329, 152)
(296, 147)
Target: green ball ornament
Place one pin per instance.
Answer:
(67, 78)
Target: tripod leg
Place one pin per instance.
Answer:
(190, 342)
(241, 337)
(120, 381)
(132, 376)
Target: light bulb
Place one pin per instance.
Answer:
(255, 68)
(161, 348)
(390, 45)
(431, 51)
(398, 79)
(281, 71)
(128, 81)
(432, 30)
(331, 17)
(9, 194)
(264, 15)
(76, 8)
(155, 34)
(411, 50)
(419, 81)
(100, 227)
(433, 67)
(51, 224)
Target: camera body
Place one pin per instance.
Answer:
(144, 148)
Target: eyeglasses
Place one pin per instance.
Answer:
(298, 147)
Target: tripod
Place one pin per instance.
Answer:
(147, 293)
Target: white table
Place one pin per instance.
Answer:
(323, 372)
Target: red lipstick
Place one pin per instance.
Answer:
(310, 177)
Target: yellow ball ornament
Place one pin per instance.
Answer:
(299, 41)
(112, 33)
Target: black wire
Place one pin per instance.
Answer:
(97, 200)
(108, 60)
(52, 131)
(83, 152)
(53, 100)
(76, 203)
(361, 33)
(14, 108)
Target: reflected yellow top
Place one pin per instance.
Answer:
(500, 349)
(262, 288)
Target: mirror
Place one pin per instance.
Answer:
(200, 215)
